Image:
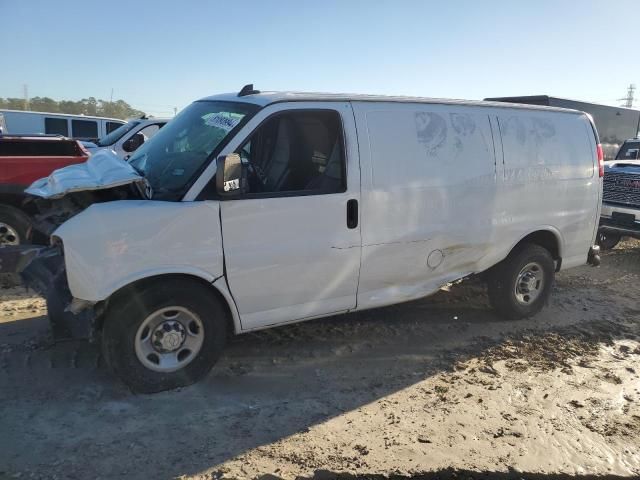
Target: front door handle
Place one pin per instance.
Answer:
(352, 213)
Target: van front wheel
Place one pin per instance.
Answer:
(520, 285)
(164, 335)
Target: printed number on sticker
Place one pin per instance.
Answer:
(232, 185)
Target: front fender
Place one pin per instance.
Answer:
(110, 245)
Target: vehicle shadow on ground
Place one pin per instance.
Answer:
(269, 385)
(451, 474)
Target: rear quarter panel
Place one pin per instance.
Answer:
(549, 179)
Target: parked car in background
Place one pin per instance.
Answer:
(79, 127)
(253, 210)
(23, 160)
(620, 215)
(3, 125)
(128, 137)
(614, 124)
(630, 150)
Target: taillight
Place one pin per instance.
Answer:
(600, 160)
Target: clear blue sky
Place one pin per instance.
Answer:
(160, 54)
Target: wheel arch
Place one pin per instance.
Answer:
(11, 199)
(217, 287)
(547, 237)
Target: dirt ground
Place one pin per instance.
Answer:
(439, 387)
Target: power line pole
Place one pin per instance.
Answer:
(111, 100)
(628, 100)
(175, 111)
(25, 91)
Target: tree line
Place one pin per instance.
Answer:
(86, 106)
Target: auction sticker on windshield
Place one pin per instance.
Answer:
(222, 120)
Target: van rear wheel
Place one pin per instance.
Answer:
(165, 335)
(520, 285)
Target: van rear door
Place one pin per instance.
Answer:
(292, 244)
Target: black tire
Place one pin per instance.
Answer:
(126, 314)
(58, 297)
(64, 324)
(503, 277)
(19, 224)
(608, 240)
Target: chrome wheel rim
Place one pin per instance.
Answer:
(169, 339)
(8, 235)
(529, 283)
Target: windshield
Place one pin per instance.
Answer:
(179, 152)
(116, 135)
(629, 151)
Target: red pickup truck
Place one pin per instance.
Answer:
(24, 159)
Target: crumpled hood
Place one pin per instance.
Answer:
(103, 170)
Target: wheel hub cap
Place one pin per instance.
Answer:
(168, 336)
(529, 284)
(8, 235)
(169, 339)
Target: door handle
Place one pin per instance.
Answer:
(352, 213)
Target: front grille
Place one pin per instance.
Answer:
(622, 188)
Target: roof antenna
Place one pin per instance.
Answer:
(248, 90)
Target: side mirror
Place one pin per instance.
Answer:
(230, 176)
(133, 143)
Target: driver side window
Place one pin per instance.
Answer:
(296, 151)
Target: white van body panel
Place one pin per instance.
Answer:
(550, 179)
(113, 244)
(449, 190)
(426, 184)
(292, 258)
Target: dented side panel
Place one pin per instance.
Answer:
(443, 198)
(110, 245)
(429, 193)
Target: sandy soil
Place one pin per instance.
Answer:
(439, 387)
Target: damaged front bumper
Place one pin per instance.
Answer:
(41, 268)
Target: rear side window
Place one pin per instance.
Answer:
(111, 126)
(296, 152)
(84, 129)
(56, 126)
(629, 151)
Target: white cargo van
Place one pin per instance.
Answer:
(79, 127)
(258, 209)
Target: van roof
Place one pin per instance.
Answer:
(267, 98)
(148, 119)
(58, 114)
